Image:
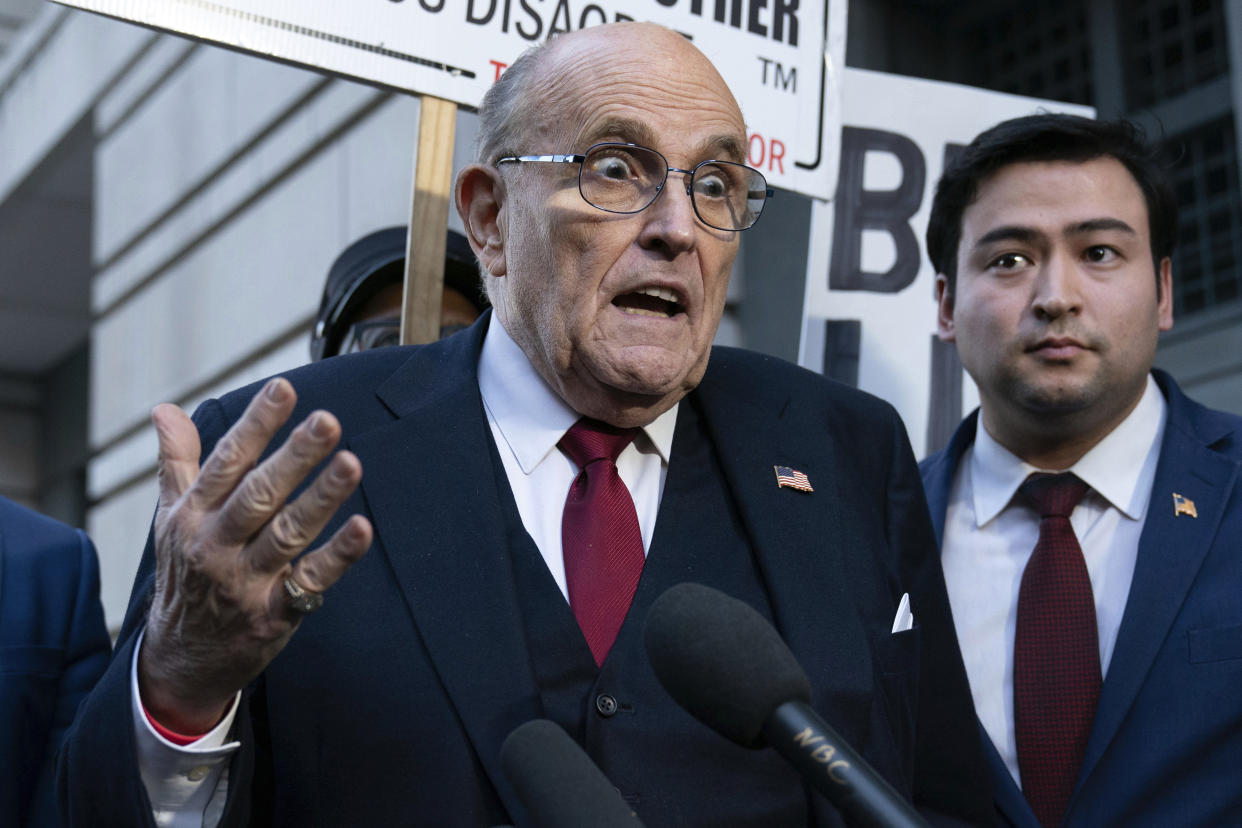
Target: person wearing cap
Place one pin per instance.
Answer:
(531, 487)
(361, 304)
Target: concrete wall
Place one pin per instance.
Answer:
(20, 401)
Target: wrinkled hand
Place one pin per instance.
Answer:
(224, 542)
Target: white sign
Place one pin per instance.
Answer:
(772, 53)
(870, 291)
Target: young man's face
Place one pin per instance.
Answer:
(1056, 311)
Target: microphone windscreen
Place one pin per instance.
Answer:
(558, 783)
(722, 661)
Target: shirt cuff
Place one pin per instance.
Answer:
(180, 780)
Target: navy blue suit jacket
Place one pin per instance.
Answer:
(53, 648)
(390, 704)
(1166, 746)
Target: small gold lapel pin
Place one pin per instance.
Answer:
(1183, 505)
(787, 478)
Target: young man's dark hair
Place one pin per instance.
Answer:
(1048, 137)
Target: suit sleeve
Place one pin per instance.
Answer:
(97, 778)
(86, 655)
(950, 776)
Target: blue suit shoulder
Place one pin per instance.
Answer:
(42, 557)
(333, 384)
(351, 386)
(53, 648)
(1219, 431)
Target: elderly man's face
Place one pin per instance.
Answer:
(617, 312)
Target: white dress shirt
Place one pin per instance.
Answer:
(988, 540)
(528, 419)
(187, 785)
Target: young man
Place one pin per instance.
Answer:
(1090, 514)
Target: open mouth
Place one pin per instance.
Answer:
(651, 301)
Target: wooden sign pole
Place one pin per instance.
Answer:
(425, 242)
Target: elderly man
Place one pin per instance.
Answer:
(483, 603)
(1090, 512)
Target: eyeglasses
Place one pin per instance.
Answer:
(627, 178)
(374, 333)
(380, 333)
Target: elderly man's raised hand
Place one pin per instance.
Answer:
(225, 539)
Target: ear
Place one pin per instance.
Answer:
(1165, 306)
(480, 194)
(944, 310)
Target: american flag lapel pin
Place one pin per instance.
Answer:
(787, 478)
(1183, 505)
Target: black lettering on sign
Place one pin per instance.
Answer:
(842, 349)
(534, 32)
(530, 18)
(780, 77)
(885, 210)
(780, 22)
(481, 19)
(944, 409)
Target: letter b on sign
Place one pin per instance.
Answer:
(888, 211)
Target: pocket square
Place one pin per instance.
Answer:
(904, 619)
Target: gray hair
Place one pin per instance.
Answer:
(506, 117)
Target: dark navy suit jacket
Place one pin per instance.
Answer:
(390, 704)
(1166, 746)
(53, 648)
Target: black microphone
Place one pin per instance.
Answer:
(558, 783)
(728, 667)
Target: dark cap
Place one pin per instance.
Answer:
(371, 264)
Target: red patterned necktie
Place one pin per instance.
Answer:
(600, 538)
(1056, 652)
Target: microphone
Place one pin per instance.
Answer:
(728, 667)
(558, 783)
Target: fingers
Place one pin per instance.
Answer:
(261, 494)
(297, 524)
(242, 445)
(319, 570)
(177, 464)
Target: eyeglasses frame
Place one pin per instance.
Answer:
(689, 174)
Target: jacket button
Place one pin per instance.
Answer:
(605, 704)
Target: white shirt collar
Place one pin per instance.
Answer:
(1113, 468)
(529, 414)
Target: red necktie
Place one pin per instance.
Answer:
(600, 538)
(1056, 652)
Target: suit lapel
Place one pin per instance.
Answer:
(1171, 551)
(937, 471)
(1008, 797)
(798, 538)
(451, 562)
